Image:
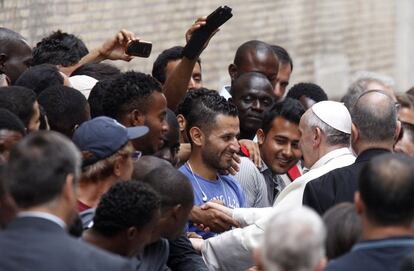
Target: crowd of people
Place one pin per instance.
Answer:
(108, 170)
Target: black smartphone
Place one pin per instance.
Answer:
(140, 48)
(217, 18)
(196, 43)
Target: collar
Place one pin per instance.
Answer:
(264, 167)
(43, 215)
(400, 241)
(369, 154)
(331, 155)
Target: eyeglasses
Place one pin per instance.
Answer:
(136, 155)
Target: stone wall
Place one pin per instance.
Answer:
(328, 39)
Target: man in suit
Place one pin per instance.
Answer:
(375, 129)
(385, 203)
(41, 176)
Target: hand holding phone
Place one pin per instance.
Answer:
(140, 48)
(195, 45)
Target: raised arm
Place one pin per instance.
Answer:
(111, 49)
(176, 85)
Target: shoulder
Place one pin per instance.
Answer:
(246, 162)
(333, 176)
(97, 257)
(248, 171)
(344, 263)
(230, 180)
(183, 169)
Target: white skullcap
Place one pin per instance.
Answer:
(83, 83)
(334, 114)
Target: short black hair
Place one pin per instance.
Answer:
(65, 108)
(289, 109)
(386, 186)
(59, 48)
(282, 55)
(9, 121)
(18, 100)
(38, 167)
(126, 204)
(160, 64)
(99, 71)
(204, 111)
(310, 90)
(171, 119)
(96, 97)
(191, 97)
(173, 187)
(128, 91)
(40, 77)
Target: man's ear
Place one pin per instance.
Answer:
(260, 136)
(197, 136)
(181, 122)
(359, 204)
(175, 211)
(132, 233)
(232, 72)
(317, 137)
(136, 117)
(69, 189)
(397, 131)
(354, 133)
(117, 171)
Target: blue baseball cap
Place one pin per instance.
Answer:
(102, 137)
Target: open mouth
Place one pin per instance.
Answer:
(284, 162)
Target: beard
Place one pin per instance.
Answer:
(216, 160)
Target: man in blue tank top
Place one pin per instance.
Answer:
(213, 128)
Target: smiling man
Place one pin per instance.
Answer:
(213, 128)
(252, 93)
(278, 140)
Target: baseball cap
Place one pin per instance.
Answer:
(334, 114)
(101, 137)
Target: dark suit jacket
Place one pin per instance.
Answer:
(37, 244)
(183, 257)
(338, 185)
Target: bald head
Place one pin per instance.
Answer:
(386, 186)
(15, 54)
(255, 56)
(375, 116)
(147, 164)
(8, 34)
